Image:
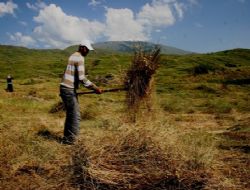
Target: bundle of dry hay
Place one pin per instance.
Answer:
(133, 158)
(139, 79)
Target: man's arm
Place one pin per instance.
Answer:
(83, 79)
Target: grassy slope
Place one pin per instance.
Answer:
(27, 63)
(194, 107)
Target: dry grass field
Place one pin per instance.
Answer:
(160, 151)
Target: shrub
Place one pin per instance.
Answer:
(204, 68)
(205, 88)
(230, 65)
(57, 107)
(200, 69)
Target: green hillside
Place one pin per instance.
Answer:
(26, 63)
(178, 74)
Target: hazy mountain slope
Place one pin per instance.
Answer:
(130, 46)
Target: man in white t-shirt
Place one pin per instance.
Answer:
(73, 75)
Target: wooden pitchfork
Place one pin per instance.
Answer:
(103, 91)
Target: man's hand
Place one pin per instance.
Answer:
(98, 91)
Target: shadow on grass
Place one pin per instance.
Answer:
(243, 148)
(32, 169)
(237, 81)
(45, 133)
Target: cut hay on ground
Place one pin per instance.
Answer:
(134, 158)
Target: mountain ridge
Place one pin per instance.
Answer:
(131, 46)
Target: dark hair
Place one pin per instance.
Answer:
(81, 47)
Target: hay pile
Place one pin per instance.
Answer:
(139, 79)
(133, 158)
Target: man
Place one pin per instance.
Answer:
(73, 75)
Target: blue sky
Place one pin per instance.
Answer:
(193, 25)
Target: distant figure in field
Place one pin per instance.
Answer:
(73, 75)
(9, 84)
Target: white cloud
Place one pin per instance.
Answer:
(58, 29)
(121, 25)
(179, 7)
(23, 23)
(124, 24)
(7, 8)
(156, 15)
(22, 40)
(198, 25)
(194, 2)
(30, 6)
(161, 13)
(38, 5)
(94, 3)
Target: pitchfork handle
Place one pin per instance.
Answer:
(107, 90)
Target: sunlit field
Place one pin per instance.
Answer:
(196, 135)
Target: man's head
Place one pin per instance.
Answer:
(84, 47)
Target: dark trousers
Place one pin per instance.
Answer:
(10, 87)
(72, 122)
